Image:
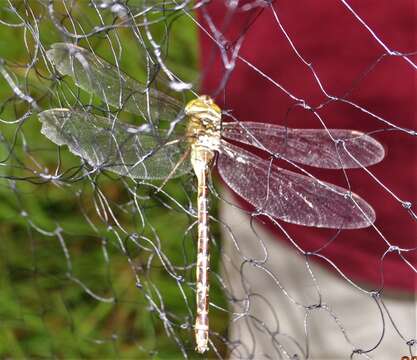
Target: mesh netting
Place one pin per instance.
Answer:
(97, 263)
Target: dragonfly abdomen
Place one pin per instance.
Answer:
(201, 158)
(203, 133)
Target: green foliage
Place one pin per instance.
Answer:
(67, 271)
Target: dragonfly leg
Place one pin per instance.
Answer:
(180, 161)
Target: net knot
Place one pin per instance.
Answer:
(407, 205)
(315, 306)
(411, 342)
(348, 195)
(375, 294)
(394, 248)
(358, 351)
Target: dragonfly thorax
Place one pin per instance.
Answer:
(204, 122)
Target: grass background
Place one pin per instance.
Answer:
(55, 248)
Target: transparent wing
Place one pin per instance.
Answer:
(121, 148)
(139, 7)
(289, 196)
(312, 147)
(98, 77)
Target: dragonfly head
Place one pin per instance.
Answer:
(203, 107)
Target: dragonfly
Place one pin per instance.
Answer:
(149, 152)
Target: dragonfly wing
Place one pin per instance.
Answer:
(121, 148)
(289, 196)
(110, 84)
(314, 147)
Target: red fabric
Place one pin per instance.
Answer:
(341, 51)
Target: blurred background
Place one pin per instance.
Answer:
(94, 265)
(87, 269)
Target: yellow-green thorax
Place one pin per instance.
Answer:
(204, 123)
